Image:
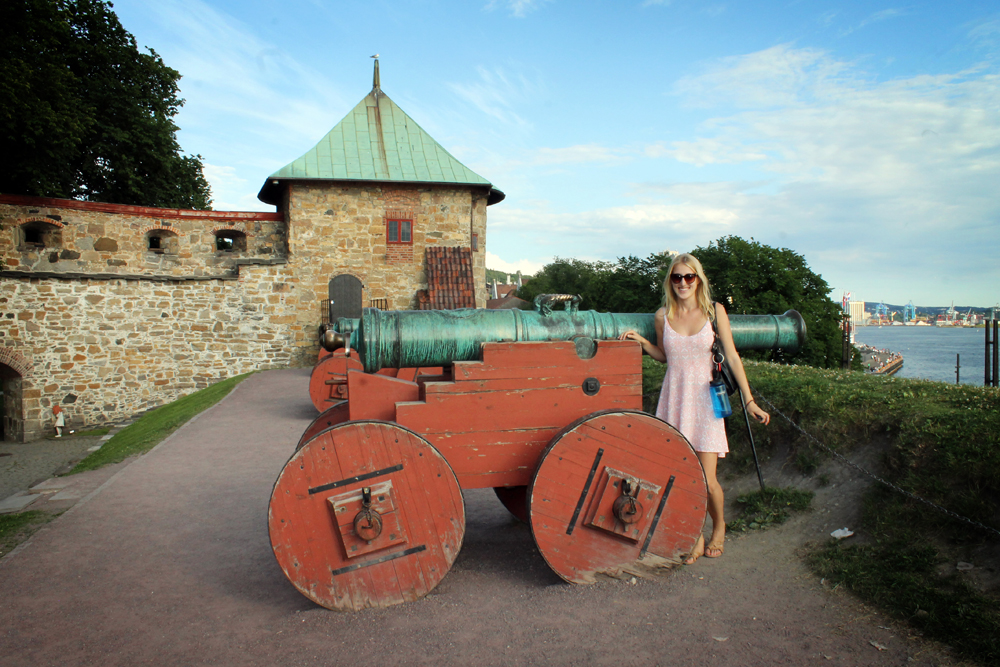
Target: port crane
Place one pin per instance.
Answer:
(882, 312)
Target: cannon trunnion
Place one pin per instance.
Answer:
(368, 511)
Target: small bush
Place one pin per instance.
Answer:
(769, 507)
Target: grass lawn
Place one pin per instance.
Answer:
(154, 426)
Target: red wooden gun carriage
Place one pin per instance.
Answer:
(544, 407)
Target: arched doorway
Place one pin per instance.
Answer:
(11, 405)
(345, 297)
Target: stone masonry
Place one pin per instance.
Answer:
(96, 320)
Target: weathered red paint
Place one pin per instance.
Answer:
(328, 381)
(502, 423)
(572, 521)
(338, 413)
(414, 490)
(494, 417)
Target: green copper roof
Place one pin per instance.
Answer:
(376, 141)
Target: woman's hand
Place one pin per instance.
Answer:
(757, 412)
(632, 335)
(648, 348)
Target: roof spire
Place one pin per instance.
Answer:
(375, 82)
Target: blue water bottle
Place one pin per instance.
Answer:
(720, 399)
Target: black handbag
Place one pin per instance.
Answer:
(720, 367)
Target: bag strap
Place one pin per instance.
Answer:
(716, 346)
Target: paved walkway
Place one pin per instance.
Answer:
(168, 562)
(28, 472)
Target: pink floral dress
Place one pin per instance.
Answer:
(685, 402)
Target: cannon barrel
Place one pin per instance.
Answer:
(422, 338)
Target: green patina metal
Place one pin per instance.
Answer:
(421, 338)
(376, 141)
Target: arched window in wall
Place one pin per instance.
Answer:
(161, 242)
(230, 240)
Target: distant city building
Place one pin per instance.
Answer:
(857, 311)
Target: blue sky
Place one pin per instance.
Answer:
(864, 136)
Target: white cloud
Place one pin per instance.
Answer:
(231, 71)
(496, 93)
(526, 267)
(233, 78)
(703, 151)
(774, 77)
(612, 231)
(877, 17)
(518, 8)
(230, 192)
(908, 166)
(870, 180)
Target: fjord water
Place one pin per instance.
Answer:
(929, 352)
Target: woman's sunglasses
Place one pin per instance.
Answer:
(689, 278)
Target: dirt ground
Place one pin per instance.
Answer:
(168, 563)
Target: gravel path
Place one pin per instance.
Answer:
(168, 563)
(33, 462)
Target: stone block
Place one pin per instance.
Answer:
(17, 502)
(51, 485)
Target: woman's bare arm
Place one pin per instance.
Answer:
(736, 364)
(655, 350)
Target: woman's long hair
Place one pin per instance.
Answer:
(703, 295)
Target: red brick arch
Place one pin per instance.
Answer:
(232, 228)
(48, 221)
(163, 228)
(16, 361)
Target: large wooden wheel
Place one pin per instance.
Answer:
(616, 494)
(328, 381)
(366, 514)
(338, 413)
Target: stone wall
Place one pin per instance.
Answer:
(106, 349)
(94, 238)
(93, 320)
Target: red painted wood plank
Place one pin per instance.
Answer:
(375, 396)
(336, 414)
(328, 381)
(306, 535)
(583, 553)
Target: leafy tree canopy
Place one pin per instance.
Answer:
(630, 285)
(85, 114)
(753, 279)
(746, 276)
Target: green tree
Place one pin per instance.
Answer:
(566, 276)
(752, 278)
(748, 277)
(631, 285)
(87, 115)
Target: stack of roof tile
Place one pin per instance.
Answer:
(449, 279)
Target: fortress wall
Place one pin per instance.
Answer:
(107, 349)
(96, 322)
(92, 237)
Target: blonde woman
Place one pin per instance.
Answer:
(684, 341)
